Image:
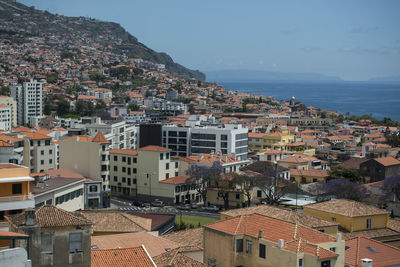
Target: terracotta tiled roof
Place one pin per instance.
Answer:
(5, 144)
(175, 257)
(349, 208)
(79, 138)
(50, 216)
(282, 214)
(189, 237)
(387, 161)
(373, 233)
(130, 152)
(36, 136)
(121, 257)
(115, 221)
(99, 138)
(353, 163)
(157, 220)
(11, 234)
(154, 148)
(361, 247)
(177, 180)
(274, 230)
(394, 225)
(298, 158)
(256, 135)
(155, 245)
(309, 173)
(210, 158)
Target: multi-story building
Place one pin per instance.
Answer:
(87, 156)
(120, 134)
(29, 98)
(166, 107)
(257, 240)
(149, 173)
(263, 141)
(12, 104)
(5, 118)
(226, 139)
(15, 194)
(39, 152)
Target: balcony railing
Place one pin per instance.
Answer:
(16, 198)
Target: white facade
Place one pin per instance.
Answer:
(29, 98)
(12, 104)
(5, 118)
(226, 139)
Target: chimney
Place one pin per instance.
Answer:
(30, 218)
(338, 237)
(366, 262)
(260, 233)
(281, 243)
(200, 156)
(212, 152)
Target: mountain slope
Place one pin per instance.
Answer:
(16, 17)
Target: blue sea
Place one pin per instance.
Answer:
(358, 98)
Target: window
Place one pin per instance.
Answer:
(369, 223)
(115, 179)
(123, 159)
(301, 263)
(42, 152)
(51, 151)
(50, 161)
(123, 179)
(259, 192)
(46, 245)
(161, 156)
(167, 155)
(134, 160)
(115, 168)
(176, 164)
(134, 181)
(75, 242)
(123, 169)
(129, 181)
(326, 263)
(16, 189)
(129, 171)
(93, 188)
(249, 246)
(129, 160)
(332, 249)
(237, 196)
(47, 142)
(239, 245)
(115, 158)
(262, 251)
(42, 162)
(167, 166)
(166, 175)
(333, 219)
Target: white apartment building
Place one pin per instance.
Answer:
(29, 98)
(12, 104)
(120, 134)
(5, 118)
(226, 139)
(39, 152)
(167, 107)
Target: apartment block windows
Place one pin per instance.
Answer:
(161, 156)
(42, 152)
(326, 263)
(249, 246)
(167, 166)
(75, 242)
(301, 263)
(262, 251)
(167, 155)
(239, 245)
(115, 158)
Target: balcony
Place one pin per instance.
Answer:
(17, 202)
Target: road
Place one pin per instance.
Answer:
(124, 205)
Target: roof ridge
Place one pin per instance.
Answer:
(237, 226)
(295, 231)
(173, 258)
(66, 212)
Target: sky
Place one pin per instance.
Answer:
(351, 39)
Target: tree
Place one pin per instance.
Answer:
(101, 105)
(97, 76)
(391, 186)
(246, 184)
(344, 173)
(203, 175)
(343, 188)
(273, 187)
(5, 90)
(133, 107)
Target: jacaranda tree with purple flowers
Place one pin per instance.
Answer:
(391, 186)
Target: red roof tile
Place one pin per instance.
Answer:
(121, 257)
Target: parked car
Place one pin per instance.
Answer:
(137, 204)
(212, 208)
(194, 206)
(158, 203)
(184, 207)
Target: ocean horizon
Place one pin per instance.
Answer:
(358, 98)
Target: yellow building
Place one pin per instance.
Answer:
(263, 141)
(308, 176)
(236, 199)
(351, 215)
(15, 194)
(257, 240)
(324, 226)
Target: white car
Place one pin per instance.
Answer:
(212, 208)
